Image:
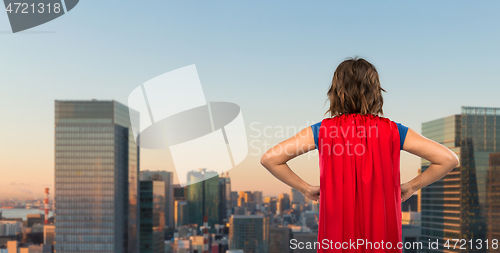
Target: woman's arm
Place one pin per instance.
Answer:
(442, 159)
(275, 160)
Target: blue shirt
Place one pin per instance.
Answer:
(403, 130)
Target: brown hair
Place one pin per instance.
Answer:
(355, 89)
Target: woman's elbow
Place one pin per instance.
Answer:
(265, 160)
(452, 160)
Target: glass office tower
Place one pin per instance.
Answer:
(152, 216)
(96, 178)
(203, 197)
(456, 207)
(168, 178)
(224, 198)
(493, 198)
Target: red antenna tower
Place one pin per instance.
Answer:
(205, 234)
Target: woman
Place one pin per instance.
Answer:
(360, 193)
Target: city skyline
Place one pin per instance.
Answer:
(277, 67)
(28, 193)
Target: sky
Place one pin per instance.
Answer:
(275, 59)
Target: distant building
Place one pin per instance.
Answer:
(225, 209)
(203, 196)
(181, 216)
(271, 204)
(40, 248)
(152, 216)
(48, 235)
(35, 219)
(257, 199)
(279, 239)
(234, 199)
(310, 219)
(411, 238)
(411, 218)
(180, 193)
(182, 246)
(168, 178)
(249, 233)
(12, 246)
(242, 199)
(411, 204)
(283, 203)
(96, 178)
(297, 197)
(10, 228)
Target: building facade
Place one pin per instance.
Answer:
(152, 216)
(225, 209)
(203, 197)
(456, 207)
(249, 233)
(168, 178)
(181, 216)
(493, 198)
(96, 178)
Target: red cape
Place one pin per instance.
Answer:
(360, 195)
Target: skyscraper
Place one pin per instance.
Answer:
(181, 216)
(456, 206)
(249, 233)
(257, 198)
(152, 216)
(493, 197)
(225, 209)
(283, 202)
(271, 204)
(168, 178)
(297, 197)
(203, 197)
(96, 178)
(279, 239)
(234, 199)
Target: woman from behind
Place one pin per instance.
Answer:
(360, 193)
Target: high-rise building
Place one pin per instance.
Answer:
(297, 197)
(283, 202)
(234, 199)
(242, 199)
(249, 233)
(225, 209)
(12, 246)
(33, 219)
(48, 234)
(168, 178)
(279, 239)
(10, 227)
(456, 206)
(411, 204)
(257, 199)
(271, 204)
(203, 197)
(152, 216)
(96, 178)
(493, 198)
(180, 193)
(181, 215)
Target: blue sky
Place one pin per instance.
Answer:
(273, 58)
